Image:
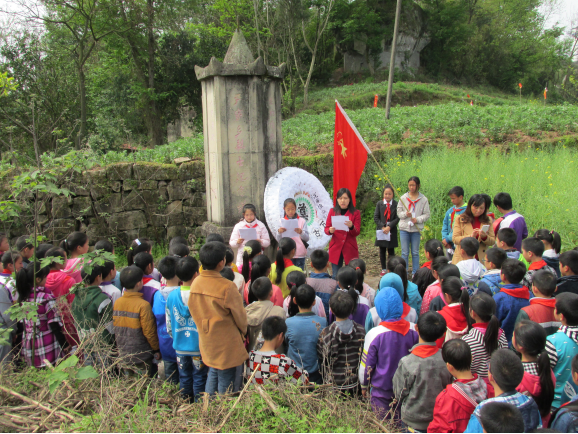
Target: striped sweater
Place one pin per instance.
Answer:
(480, 357)
(339, 350)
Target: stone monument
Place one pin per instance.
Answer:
(242, 133)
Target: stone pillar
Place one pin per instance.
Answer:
(242, 130)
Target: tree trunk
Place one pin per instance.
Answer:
(82, 91)
(154, 124)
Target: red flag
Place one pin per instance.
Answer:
(545, 92)
(520, 84)
(375, 101)
(349, 154)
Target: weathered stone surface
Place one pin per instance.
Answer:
(59, 229)
(325, 166)
(171, 216)
(212, 228)
(103, 189)
(147, 171)
(119, 171)
(179, 190)
(130, 184)
(176, 231)
(78, 190)
(61, 207)
(195, 216)
(198, 184)
(110, 204)
(193, 169)
(82, 206)
(96, 231)
(181, 160)
(124, 221)
(198, 199)
(96, 176)
(163, 190)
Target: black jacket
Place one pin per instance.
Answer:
(567, 284)
(379, 219)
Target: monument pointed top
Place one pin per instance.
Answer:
(239, 52)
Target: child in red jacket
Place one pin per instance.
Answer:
(456, 403)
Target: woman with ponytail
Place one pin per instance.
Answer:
(49, 341)
(456, 312)
(397, 265)
(485, 335)
(250, 251)
(539, 381)
(366, 292)
(552, 245)
(283, 264)
(424, 276)
(261, 268)
(294, 280)
(75, 245)
(347, 278)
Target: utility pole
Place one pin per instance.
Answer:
(392, 61)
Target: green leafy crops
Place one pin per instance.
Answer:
(542, 183)
(456, 123)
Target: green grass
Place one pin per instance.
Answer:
(454, 123)
(542, 183)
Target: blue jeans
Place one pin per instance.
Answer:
(221, 380)
(171, 372)
(335, 267)
(193, 380)
(410, 239)
(299, 262)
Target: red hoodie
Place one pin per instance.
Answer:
(59, 284)
(456, 322)
(456, 403)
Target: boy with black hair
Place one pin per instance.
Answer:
(107, 246)
(422, 375)
(168, 269)
(565, 419)
(11, 263)
(269, 363)
(532, 250)
(134, 325)
(501, 417)
(145, 262)
(228, 274)
(563, 345)
(512, 296)
(106, 286)
(217, 308)
(340, 345)
(505, 374)
(92, 308)
(456, 403)
(177, 240)
(569, 271)
(471, 270)
(490, 281)
(179, 251)
(25, 248)
(542, 306)
(319, 279)
(238, 277)
(456, 195)
(184, 332)
(259, 311)
(511, 219)
(303, 332)
(506, 239)
(214, 237)
(438, 302)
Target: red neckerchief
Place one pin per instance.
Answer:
(287, 262)
(425, 351)
(400, 326)
(427, 265)
(492, 215)
(522, 292)
(146, 280)
(480, 325)
(254, 226)
(454, 211)
(548, 302)
(412, 203)
(286, 218)
(537, 265)
(387, 213)
(406, 309)
(6, 271)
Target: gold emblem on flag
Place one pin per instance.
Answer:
(340, 143)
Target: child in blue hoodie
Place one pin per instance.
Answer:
(512, 296)
(182, 328)
(490, 281)
(168, 270)
(456, 195)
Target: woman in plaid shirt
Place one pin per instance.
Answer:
(49, 341)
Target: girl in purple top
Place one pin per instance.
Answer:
(347, 278)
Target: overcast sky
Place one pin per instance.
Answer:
(566, 11)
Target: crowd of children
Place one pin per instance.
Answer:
(482, 337)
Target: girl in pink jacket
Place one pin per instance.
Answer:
(75, 245)
(290, 208)
(249, 221)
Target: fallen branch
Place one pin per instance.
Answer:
(239, 398)
(61, 414)
(272, 405)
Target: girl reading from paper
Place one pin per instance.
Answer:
(344, 225)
